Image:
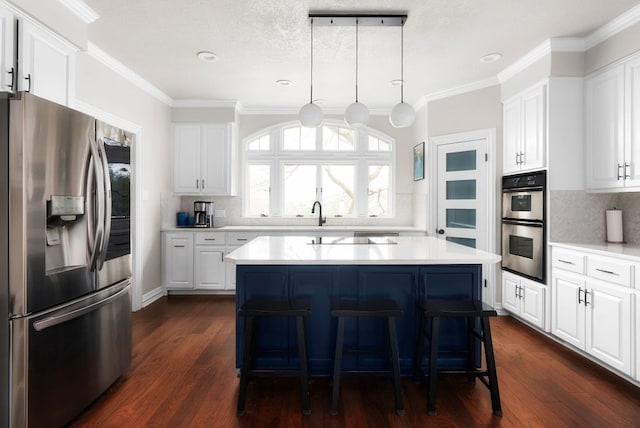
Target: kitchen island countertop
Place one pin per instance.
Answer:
(396, 250)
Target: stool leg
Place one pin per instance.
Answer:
(471, 348)
(491, 367)
(395, 363)
(417, 358)
(337, 366)
(433, 365)
(304, 370)
(246, 363)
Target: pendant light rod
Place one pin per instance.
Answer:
(311, 85)
(401, 60)
(356, 60)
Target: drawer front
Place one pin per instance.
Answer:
(240, 238)
(210, 238)
(607, 269)
(572, 261)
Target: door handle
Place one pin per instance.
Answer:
(28, 79)
(13, 78)
(440, 231)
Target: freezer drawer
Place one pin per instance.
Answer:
(63, 359)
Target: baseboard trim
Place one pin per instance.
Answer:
(151, 296)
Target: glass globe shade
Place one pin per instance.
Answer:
(356, 115)
(310, 115)
(402, 115)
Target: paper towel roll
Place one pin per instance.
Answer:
(614, 226)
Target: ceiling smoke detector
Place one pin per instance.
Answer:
(207, 56)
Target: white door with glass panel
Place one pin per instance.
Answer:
(465, 195)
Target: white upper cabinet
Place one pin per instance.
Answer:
(204, 159)
(612, 126)
(524, 131)
(46, 63)
(7, 55)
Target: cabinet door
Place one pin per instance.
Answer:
(7, 53)
(604, 132)
(230, 272)
(209, 270)
(178, 261)
(186, 158)
(533, 125)
(632, 136)
(510, 293)
(215, 160)
(609, 324)
(46, 64)
(511, 136)
(568, 310)
(533, 303)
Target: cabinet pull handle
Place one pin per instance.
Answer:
(242, 239)
(566, 261)
(178, 246)
(627, 174)
(28, 79)
(209, 239)
(606, 271)
(13, 78)
(521, 292)
(521, 158)
(619, 168)
(586, 302)
(197, 183)
(579, 295)
(516, 290)
(202, 184)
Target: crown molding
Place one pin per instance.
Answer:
(119, 68)
(295, 110)
(186, 103)
(457, 90)
(613, 27)
(81, 10)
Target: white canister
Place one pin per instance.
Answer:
(614, 226)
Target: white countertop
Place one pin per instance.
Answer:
(300, 229)
(418, 250)
(627, 251)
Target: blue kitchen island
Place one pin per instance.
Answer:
(406, 269)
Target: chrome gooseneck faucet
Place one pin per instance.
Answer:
(321, 219)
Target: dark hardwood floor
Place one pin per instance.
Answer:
(183, 375)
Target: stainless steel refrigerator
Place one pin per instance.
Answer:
(65, 260)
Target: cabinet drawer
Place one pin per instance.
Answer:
(240, 238)
(617, 272)
(210, 238)
(568, 260)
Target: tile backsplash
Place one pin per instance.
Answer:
(579, 217)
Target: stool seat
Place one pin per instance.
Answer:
(381, 308)
(476, 313)
(252, 310)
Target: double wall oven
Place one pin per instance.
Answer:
(523, 224)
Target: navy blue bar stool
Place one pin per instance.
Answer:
(472, 310)
(253, 309)
(385, 308)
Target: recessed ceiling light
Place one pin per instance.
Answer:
(283, 82)
(396, 82)
(493, 57)
(207, 56)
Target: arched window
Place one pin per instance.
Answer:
(287, 167)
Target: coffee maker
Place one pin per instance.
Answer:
(203, 214)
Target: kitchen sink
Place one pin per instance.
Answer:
(351, 240)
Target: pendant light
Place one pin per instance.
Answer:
(402, 115)
(357, 114)
(310, 115)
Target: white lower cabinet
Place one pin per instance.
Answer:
(523, 298)
(178, 261)
(209, 267)
(594, 315)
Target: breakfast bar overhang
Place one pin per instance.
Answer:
(406, 269)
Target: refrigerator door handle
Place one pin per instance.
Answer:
(107, 204)
(59, 319)
(97, 226)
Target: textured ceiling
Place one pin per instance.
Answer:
(261, 41)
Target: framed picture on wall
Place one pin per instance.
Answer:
(418, 161)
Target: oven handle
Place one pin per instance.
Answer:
(523, 189)
(522, 222)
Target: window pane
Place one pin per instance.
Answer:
(258, 177)
(461, 218)
(338, 139)
(461, 189)
(378, 190)
(469, 242)
(299, 189)
(378, 145)
(461, 161)
(260, 144)
(299, 138)
(337, 189)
